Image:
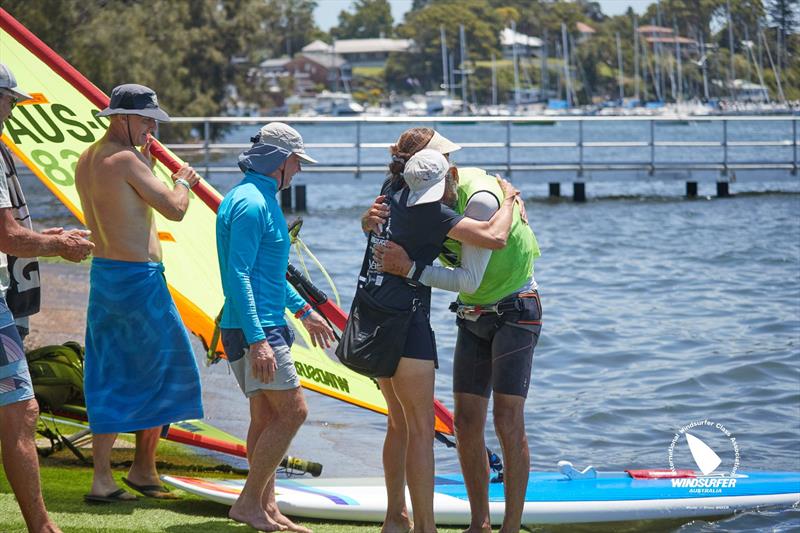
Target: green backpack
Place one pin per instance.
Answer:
(57, 375)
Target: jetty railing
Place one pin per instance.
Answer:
(574, 165)
(582, 165)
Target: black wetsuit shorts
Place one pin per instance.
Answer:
(495, 352)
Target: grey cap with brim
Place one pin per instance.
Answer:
(286, 137)
(134, 99)
(8, 83)
(424, 174)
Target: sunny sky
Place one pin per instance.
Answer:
(327, 12)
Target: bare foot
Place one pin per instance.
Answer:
(275, 513)
(402, 526)
(258, 520)
(478, 529)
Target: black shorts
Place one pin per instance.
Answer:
(495, 352)
(420, 341)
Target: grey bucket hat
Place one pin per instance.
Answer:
(8, 83)
(134, 99)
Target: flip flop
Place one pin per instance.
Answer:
(113, 497)
(159, 492)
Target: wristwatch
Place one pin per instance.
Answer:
(181, 181)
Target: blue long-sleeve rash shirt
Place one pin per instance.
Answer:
(253, 252)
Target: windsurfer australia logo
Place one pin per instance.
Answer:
(713, 449)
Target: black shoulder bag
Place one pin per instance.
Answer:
(374, 336)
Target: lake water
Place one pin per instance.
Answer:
(658, 312)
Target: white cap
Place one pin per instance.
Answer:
(442, 144)
(8, 83)
(424, 174)
(284, 136)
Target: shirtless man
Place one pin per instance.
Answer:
(140, 371)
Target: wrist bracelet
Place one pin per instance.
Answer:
(306, 314)
(181, 181)
(303, 311)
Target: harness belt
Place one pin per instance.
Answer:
(472, 312)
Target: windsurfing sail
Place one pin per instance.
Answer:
(49, 133)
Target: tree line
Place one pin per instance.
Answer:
(200, 54)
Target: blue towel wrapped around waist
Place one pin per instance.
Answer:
(140, 370)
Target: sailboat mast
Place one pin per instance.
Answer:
(732, 70)
(515, 60)
(777, 73)
(636, 56)
(494, 82)
(704, 66)
(621, 77)
(545, 83)
(657, 65)
(565, 52)
(443, 39)
(679, 66)
(463, 68)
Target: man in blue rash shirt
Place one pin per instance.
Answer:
(253, 252)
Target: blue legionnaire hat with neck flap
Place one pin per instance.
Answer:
(134, 99)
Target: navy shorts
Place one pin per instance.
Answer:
(420, 341)
(495, 352)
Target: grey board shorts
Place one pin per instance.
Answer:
(280, 338)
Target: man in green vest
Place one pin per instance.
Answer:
(499, 321)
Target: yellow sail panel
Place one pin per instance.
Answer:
(50, 133)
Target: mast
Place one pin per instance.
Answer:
(452, 67)
(732, 70)
(545, 83)
(678, 64)
(636, 56)
(704, 65)
(657, 65)
(463, 70)
(777, 73)
(494, 82)
(565, 52)
(515, 60)
(749, 47)
(443, 39)
(621, 77)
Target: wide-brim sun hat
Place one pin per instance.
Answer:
(424, 174)
(8, 84)
(285, 136)
(134, 99)
(442, 144)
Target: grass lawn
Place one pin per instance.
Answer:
(65, 481)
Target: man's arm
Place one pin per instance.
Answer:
(468, 275)
(20, 241)
(172, 204)
(491, 234)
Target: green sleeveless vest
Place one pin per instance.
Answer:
(509, 268)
